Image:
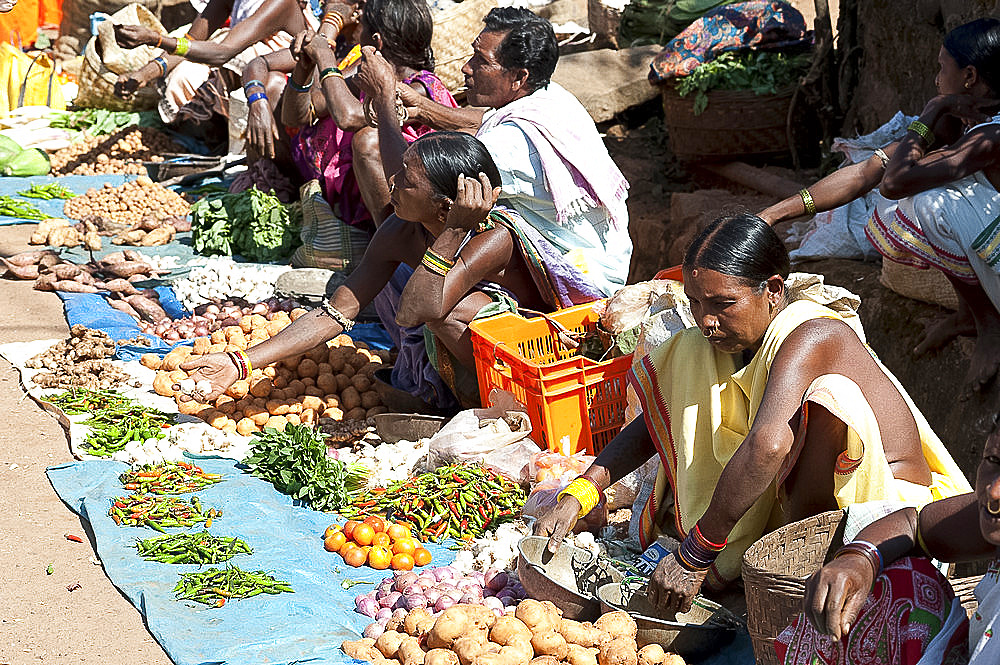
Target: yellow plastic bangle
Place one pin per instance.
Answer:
(807, 201)
(183, 46)
(920, 537)
(584, 491)
(922, 130)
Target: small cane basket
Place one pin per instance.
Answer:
(775, 569)
(454, 31)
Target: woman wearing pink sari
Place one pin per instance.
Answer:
(339, 148)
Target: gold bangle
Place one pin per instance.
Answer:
(807, 201)
(922, 130)
(585, 491)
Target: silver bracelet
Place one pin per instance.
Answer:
(337, 316)
(880, 153)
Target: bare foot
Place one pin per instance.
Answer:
(938, 333)
(985, 360)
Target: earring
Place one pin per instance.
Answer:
(968, 85)
(990, 509)
(708, 332)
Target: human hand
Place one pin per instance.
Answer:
(216, 368)
(473, 203)
(128, 84)
(299, 44)
(7, 5)
(557, 521)
(131, 36)
(970, 110)
(376, 76)
(672, 587)
(835, 594)
(262, 131)
(411, 100)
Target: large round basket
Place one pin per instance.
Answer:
(736, 123)
(775, 569)
(454, 31)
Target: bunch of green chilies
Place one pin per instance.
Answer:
(114, 426)
(11, 207)
(168, 478)
(158, 512)
(460, 501)
(214, 586)
(53, 190)
(199, 548)
(75, 401)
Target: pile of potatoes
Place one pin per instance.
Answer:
(534, 634)
(333, 380)
(122, 152)
(129, 204)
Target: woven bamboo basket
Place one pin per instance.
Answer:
(926, 285)
(736, 123)
(775, 569)
(454, 31)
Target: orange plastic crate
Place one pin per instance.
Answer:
(566, 395)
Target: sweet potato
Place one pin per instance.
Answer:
(148, 308)
(126, 269)
(158, 236)
(71, 286)
(119, 285)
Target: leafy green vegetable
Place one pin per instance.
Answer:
(762, 72)
(296, 463)
(98, 122)
(252, 224)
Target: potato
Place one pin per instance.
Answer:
(270, 371)
(583, 634)
(219, 337)
(361, 649)
(173, 360)
(239, 389)
(507, 628)
(277, 422)
(314, 391)
(343, 382)
(307, 417)
(327, 383)
(308, 368)
(618, 651)
(323, 368)
(231, 331)
(355, 414)
(311, 402)
(545, 660)
(370, 400)
(388, 643)
(229, 348)
(163, 384)
(177, 375)
(673, 659)
(294, 406)
(651, 654)
(348, 370)
(277, 407)
(293, 419)
(296, 313)
(350, 398)
(246, 427)
(279, 382)
(441, 657)
(261, 387)
(468, 648)
(308, 382)
(617, 624)
(549, 643)
(361, 382)
(191, 407)
(409, 652)
(344, 340)
(246, 324)
(578, 655)
(225, 404)
(333, 413)
(257, 322)
(201, 346)
(413, 618)
(217, 419)
(296, 386)
(239, 341)
(273, 328)
(537, 616)
(217, 348)
(318, 353)
(151, 360)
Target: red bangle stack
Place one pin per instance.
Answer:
(242, 362)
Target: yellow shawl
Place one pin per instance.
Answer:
(699, 406)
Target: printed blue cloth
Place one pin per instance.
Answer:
(757, 24)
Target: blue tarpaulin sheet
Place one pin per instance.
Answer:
(79, 184)
(93, 311)
(307, 626)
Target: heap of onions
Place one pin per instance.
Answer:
(211, 317)
(436, 589)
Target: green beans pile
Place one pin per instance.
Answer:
(75, 401)
(460, 501)
(11, 207)
(214, 586)
(199, 548)
(158, 512)
(50, 191)
(168, 478)
(114, 426)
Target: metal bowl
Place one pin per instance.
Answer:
(393, 427)
(569, 578)
(695, 635)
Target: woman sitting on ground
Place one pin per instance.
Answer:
(943, 176)
(466, 255)
(886, 604)
(340, 149)
(255, 27)
(769, 410)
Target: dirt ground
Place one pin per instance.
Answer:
(43, 622)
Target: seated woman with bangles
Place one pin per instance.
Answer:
(331, 139)
(255, 27)
(940, 184)
(880, 600)
(466, 254)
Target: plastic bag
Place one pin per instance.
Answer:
(549, 465)
(27, 81)
(545, 496)
(327, 242)
(497, 436)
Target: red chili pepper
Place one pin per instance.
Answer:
(482, 511)
(75, 539)
(220, 602)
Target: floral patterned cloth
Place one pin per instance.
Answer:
(908, 607)
(756, 24)
(323, 151)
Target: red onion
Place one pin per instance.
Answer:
(432, 595)
(404, 580)
(414, 601)
(469, 598)
(383, 613)
(496, 579)
(373, 630)
(366, 606)
(389, 599)
(443, 573)
(399, 613)
(508, 600)
(443, 603)
(212, 309)
(493, 603)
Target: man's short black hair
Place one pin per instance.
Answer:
(530, 43)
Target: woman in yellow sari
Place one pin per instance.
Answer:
(771, 409)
